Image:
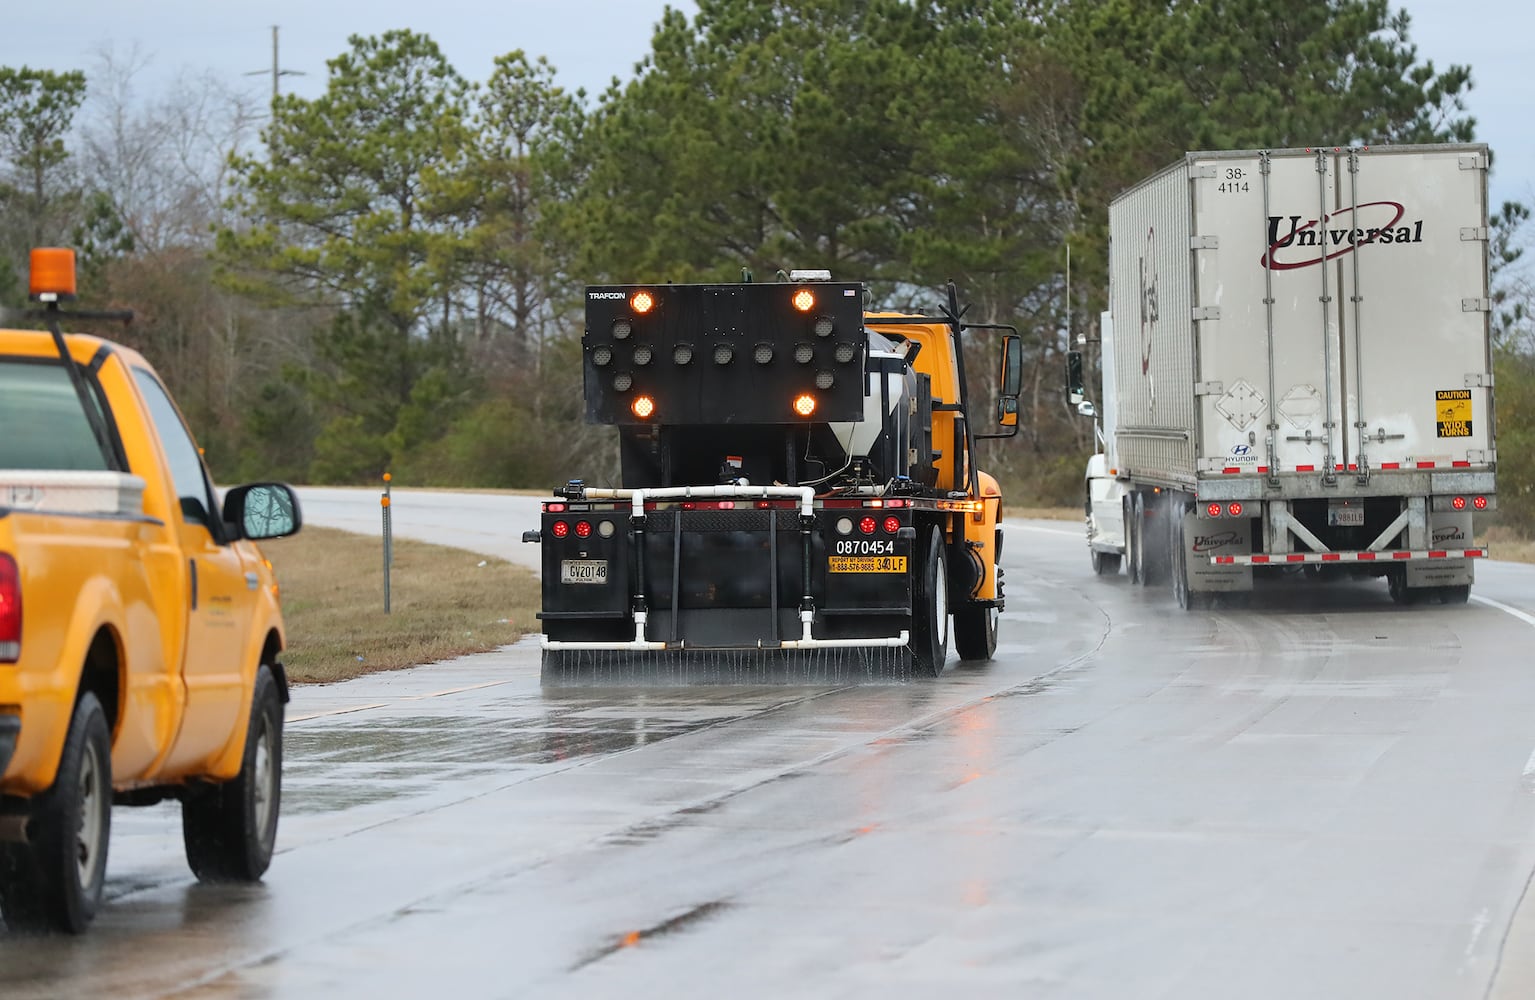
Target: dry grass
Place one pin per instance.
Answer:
(1508, 545)
(445, 602)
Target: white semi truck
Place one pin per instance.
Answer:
(1297, 372)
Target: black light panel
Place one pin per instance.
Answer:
(723, 354)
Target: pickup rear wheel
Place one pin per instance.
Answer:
(930, 608)
(55, 881)
(230, 830)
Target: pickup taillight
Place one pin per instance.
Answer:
(10, 610)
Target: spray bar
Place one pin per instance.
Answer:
(637, 499)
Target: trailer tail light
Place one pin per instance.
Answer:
(642, 302)
(1480, 503)
(866, 525)
(892, 525)
(1459, 503)
(554, 508)
(643, 407)
(10, 610)
(605, 529)
(559, 529)
(804, 300)
(1234, 509)
(583, 529)
(804, 404)
(1214, 510)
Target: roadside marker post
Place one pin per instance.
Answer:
(388, 540)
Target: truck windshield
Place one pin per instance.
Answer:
(41, 423)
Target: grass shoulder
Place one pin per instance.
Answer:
(444, 602)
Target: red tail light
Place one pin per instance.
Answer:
(892, 525)
(1214, 510)
(1480, 503)
(1234, 509)
(10, 610)
(559, 529)
(866, 525)
(1459, 503)
(583, 529)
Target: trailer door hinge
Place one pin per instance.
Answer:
(1475, 305)
(1206, 171)
(1473, 234)
(1209, 388)
(1475, 380)
(1206, 312)
(1204, 243)
(1475, 161)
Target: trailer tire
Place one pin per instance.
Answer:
(1137, 537)
(930, 608)
(230, 830)
(1188, 599)
(56, 881)
(1396, 584)
(1458, 593)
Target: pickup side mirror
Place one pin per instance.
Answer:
(262, 510)
(1076, 389)
(1011, 379)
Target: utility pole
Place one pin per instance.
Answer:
(276, 71)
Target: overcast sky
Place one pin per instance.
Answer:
(591, 41)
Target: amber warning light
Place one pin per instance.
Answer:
(52, 275)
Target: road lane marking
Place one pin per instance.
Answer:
(337, 711)
(1528, 619)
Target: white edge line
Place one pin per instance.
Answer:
(1528, 619)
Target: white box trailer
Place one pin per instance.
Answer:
(1301, 370)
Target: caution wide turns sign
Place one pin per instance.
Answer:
(1452, 412)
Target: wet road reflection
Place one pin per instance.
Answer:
(1318, 796)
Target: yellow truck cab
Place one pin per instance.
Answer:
(139, 624)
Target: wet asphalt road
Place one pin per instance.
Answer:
(1323, 797)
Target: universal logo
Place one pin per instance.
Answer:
(1219, 540)
(1442, 535)
(1323, 239)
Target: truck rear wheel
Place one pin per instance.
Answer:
(975, 631)
(930, 608)
(230, 830)
(1104, 563)
(55, 881)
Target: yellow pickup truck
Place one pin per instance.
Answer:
(139, 624)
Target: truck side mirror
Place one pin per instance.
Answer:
(1076, 390)
(1011, 379)
(1012, 366)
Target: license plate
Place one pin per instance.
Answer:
(583, 571)
(1345, 517)
(866, 564)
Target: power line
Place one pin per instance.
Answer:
(276, 72)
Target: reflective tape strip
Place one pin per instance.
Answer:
(1346, 557)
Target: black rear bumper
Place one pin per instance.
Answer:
(10, 732)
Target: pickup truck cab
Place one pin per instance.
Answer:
(139, 629)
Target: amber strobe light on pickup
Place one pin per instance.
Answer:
(52, 275)
(10, 610)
